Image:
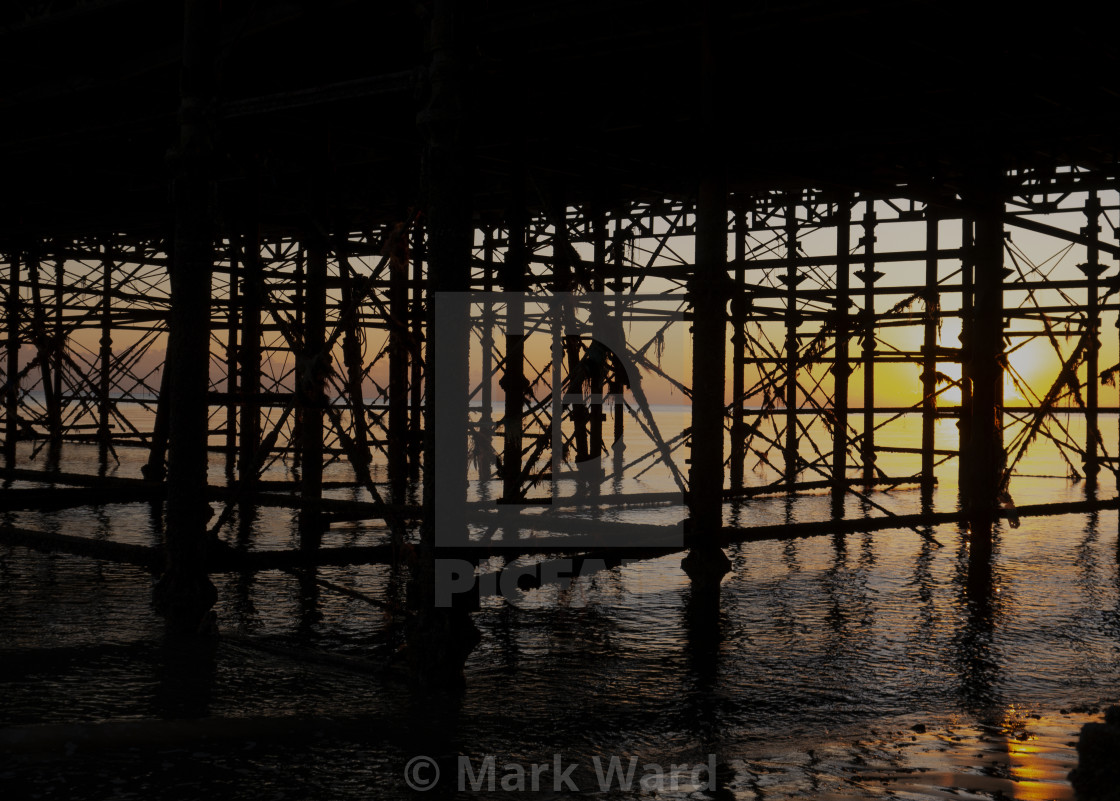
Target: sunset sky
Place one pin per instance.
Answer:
(896, 384)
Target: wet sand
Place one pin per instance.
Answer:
(1024, 755)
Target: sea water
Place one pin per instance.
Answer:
(817, 642)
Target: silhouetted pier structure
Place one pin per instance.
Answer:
(274, 193)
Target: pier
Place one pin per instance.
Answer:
(224, 244)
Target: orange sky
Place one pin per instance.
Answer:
(895, 384)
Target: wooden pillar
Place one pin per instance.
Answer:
(11, 394)
(1092, 269)
(313, 369)
(964, 419)
(929, 351)
(59, 333)
(485, 455)
(739, 304)
(869, 275)
(987, 355)
(104, 384)
(443, 636)
(398, 368)
(299, 295)
(564, 281)
(841, 367)
(557, 323)
(249, 354)
(233, 323)
(416, 322)
(598, 224)
(706, 291)
(155, 469)
(617, 381)
(513, 381)
(791, 280)
(353, 359)
(706, 563)
(46, 344)
(184, 593)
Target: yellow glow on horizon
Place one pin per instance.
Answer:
(951, 396)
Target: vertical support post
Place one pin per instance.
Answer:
(105, 356)
(513, 381)
(558, 323)
(616, 383)
(706, 291)
(841, 366)
(249, 354)
(564, 281)
(791, 280)
(398, 366)
(46, 345)
(1092, 270)
(739, 305)
(987, 453)
(869, 275)
(11, 395)
(595, 423)
(706, 563)
(929, 351)
(353, 358)
(300, 293)
(964, 419)
(416, 382)
(233, 323)
(59, 334)
(313, 368)
(184, 592)
(484, 457)
(155, 469)
(444, 636)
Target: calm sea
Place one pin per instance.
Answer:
(816, 639)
